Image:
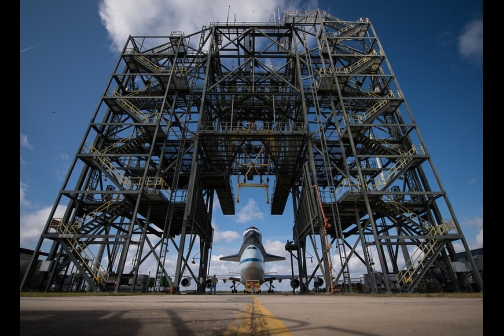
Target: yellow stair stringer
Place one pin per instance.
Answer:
(422, 253)
(351, 184)
(380, 104)
(383, 179)
(88, 260)
(101, 209)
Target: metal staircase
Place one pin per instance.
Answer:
(422, 257)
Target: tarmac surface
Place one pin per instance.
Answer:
(250, 315)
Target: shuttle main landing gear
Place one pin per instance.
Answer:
(233, 288)
(270, 287)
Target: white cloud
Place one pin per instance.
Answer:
(477, 240)
(23, 202)
(122, 18)
(228, 236)
(470, 41)
(276, 247)
(249, 212)
(473, 233)
(475, 221)
(32, 224)
(24, 141)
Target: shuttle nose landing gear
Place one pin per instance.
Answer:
(270, 287)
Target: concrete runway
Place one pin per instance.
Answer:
(245, 314)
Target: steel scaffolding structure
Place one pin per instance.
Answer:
(309, 101)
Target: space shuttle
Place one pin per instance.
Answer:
(252, 258)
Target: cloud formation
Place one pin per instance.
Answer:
(32, 225)
(122, 18)
(477, 224)
(249, 212)
(470, 41)
(228, 236)
(23, 202)
(24, 141)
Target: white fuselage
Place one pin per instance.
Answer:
(251, 265)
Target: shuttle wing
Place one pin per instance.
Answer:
(232, 257)
(272, 257)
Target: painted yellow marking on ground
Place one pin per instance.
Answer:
(266, 323)
(242, 324)
(256, 320)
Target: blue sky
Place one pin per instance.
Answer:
(68, 50)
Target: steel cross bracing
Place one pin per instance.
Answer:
(307, 101)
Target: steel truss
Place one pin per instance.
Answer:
(311, 102)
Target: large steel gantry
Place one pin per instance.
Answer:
(309, 103)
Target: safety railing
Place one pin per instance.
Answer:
(98, 273)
